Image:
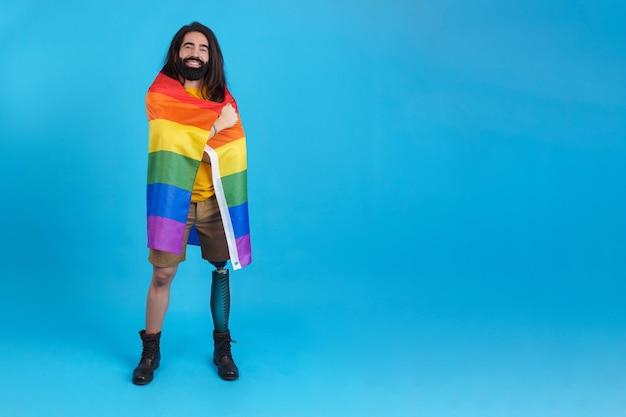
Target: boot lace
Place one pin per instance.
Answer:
(150, 349)
(223, 347)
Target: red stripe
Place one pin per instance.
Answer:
(172, 88)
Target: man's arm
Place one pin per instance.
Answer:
(227, 118)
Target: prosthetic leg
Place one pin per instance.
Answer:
(220, 310)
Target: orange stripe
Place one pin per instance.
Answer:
(227, 135)
(161, 106)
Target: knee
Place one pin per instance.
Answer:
(162, 277)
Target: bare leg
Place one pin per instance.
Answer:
(159, 297)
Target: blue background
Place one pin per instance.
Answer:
(437, 201)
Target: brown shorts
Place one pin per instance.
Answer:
(205, 215)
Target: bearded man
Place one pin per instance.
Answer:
(197, 190)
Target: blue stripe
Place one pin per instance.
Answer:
(193, 237)
(168, 201)
(239, 218)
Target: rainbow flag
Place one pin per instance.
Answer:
(179, 127)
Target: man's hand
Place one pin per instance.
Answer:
(228, 117)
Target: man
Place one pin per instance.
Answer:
(196, 187)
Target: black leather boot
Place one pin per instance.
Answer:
(222, 357)
(150, 358)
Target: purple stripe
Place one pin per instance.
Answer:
(243, 249)
(165, 234)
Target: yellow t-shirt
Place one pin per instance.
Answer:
(203, 185)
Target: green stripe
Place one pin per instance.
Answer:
(236, 188)
(171, 168)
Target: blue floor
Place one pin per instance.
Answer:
(432, 352)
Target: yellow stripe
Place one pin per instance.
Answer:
(232, 157)
(185, 140)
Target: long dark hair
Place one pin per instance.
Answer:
(214, 82)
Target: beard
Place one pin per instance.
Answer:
(189, 73)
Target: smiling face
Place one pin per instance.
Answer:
(193, 56)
